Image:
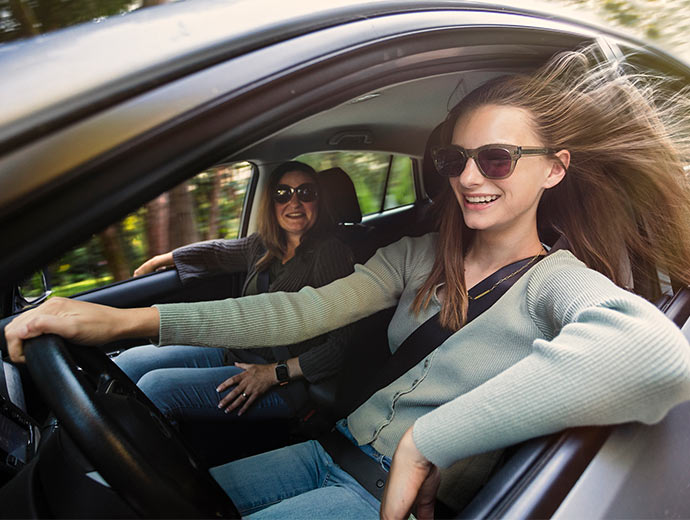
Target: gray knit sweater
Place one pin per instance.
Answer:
(562, 347)
(316, 262)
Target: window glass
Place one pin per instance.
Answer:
(400, 183)
(368, 171)
(205, 207)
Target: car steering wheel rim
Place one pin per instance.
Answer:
(136, 450)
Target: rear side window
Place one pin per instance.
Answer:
(206, 206)
(383, 181)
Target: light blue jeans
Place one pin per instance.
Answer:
(181, 381)
(299, 481)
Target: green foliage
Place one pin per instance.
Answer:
(230, 201)
(623, 12)
(401, 183)
(32, 287)
(85, 267)
(84, 285)
(663, 22)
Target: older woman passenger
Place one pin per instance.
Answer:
(291, 250)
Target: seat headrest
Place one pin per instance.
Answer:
(433, 182)
(340, 196)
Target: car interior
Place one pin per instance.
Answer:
(46, 472)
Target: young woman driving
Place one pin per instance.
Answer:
(575, 147)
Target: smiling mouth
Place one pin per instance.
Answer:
(297, 214)
(482, 199)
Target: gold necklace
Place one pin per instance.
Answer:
(474, 298)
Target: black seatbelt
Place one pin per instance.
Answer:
(364, 469)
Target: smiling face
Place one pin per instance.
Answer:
(505, 204)
(296, 217)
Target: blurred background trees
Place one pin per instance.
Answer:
(205, 207)
(25, 18)
(665, 23)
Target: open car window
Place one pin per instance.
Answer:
(207, 206)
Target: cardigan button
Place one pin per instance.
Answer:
(380, 483)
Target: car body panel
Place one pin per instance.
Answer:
(638, 473)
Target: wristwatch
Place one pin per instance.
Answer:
(282, 374)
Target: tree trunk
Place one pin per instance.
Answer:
(24, 14)
(157, 217)
(182, 229)
(114, 253)
(214, 209)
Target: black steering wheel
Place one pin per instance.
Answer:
(122, 433)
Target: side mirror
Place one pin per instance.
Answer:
(32, 291)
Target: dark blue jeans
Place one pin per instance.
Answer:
(181, 381)
(298, 481)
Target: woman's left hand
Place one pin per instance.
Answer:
(412, 480)
(250, 385)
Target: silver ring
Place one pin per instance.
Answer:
(244, 395)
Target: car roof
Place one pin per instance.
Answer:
(91, 65)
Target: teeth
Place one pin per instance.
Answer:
(483, 198)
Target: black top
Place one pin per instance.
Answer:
(316, 263)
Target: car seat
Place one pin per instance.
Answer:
(341, 200)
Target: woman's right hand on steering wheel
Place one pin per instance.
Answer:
(155, 263)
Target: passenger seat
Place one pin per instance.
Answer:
(341, 200)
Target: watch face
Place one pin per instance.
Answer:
(282, 372)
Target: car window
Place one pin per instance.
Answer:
(205, 207)
(382, 181)
(400, 189)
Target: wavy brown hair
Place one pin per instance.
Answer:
(625, 194)
(271, 233)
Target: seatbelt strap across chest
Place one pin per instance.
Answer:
(430, 334)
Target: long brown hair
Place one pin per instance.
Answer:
(625, 194)
(271, 233)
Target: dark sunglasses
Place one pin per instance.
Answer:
(306, 192)
(495, 161)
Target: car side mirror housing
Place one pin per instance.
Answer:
(31, 291)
